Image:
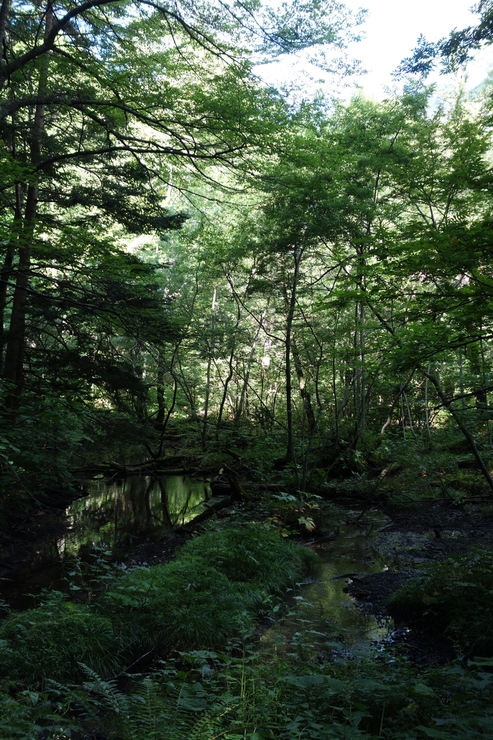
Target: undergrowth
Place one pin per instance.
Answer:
(251, 554)
(51, 640)
(212, 680)
(205, 695)
(183, 605)
(454, 595)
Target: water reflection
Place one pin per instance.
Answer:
(121, 513)
(116, 517)
(323, 617)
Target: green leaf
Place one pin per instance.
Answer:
(430, 732)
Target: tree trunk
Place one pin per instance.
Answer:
(297, 255)
(4, 12)
(465, 431)
(14, 357)
(304, 392)
(211, 349)
(427, 412)
(8, 262)
(246, 379)
(230, 374)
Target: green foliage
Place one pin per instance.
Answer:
(454, 51)
(262, 694)
(183, 605)
(113, 435)
(252, 553)
(365, 250)
(155, 707)
(295, 513)
(454, 595)
(206, 694)
(52, 640)
(40, 447)
(210, 594)
(16, 720)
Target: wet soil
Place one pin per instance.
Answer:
(415, 536)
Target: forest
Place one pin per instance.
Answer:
(283, 293)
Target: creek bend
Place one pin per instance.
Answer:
(119, 516)
(322, 614)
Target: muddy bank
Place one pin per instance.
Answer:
(418, 535)
(411, 536)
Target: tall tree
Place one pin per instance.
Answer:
(454, 50)
(100, 91)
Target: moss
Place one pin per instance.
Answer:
(455, 596)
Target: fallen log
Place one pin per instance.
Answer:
(319, 540)
(212, 507)
(174, 465)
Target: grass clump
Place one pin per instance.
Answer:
(209, 596)
(181, 605)
(52, 640)
(455, 596)
(252, 553)
(211, 593)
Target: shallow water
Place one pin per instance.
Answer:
(118, 515)
(111, 517)
(322, 616)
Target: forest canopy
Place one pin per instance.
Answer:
(246, 338)
(185, 247)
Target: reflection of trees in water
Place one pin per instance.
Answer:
(109, 514)
(164, 502)
(135, 506)
(176, 498)
(182, 496)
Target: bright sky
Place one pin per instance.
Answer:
(392, 28)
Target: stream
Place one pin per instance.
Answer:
(322, 615)
(131, 510)
(111, 517)
(118, 516)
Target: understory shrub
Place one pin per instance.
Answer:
(454, 595)
(16, 720)
(219, 582)
(221, 696)
(51, 640)
(210, 595)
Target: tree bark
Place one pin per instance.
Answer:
(14, 357)
(230, 374)
(211, 349)
(465, 431)
(297, 255)
(304, 392)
